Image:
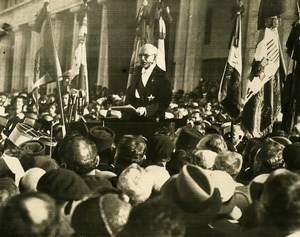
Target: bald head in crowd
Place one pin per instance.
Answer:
(30, 214)
(79, 154)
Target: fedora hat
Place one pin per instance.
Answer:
(193, 191)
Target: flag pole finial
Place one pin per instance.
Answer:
(240, 7)
(237, 9)
(85, 3)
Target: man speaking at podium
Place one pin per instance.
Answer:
(150, 91)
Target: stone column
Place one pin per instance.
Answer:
(6, 56)
(195, 37)
(102, 77)
(181, 42)
(32, 47)
(17, 76)
(200, 25)
(189, 41)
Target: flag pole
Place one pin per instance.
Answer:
(47, 2)
(236, 40)
(83, 49)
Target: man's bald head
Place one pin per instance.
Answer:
(148, 49)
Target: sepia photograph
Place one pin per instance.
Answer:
(149, 118)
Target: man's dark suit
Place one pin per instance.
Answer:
(155, 96)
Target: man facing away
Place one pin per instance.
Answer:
(149, 92)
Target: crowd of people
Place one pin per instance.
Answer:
(203, 176)
(206, 177)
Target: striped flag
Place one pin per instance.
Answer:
(230, 87)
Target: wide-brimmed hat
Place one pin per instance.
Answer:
(194, 192)
(226, 185)
(30, 179)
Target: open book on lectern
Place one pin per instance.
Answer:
(125, 108)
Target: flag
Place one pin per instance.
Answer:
(230, 87)
(150, 20)
(262, 101)
(266, 61)
(47, 67)
(141, 38)
(79, 64)
(39, 69)
(161, 59)
(160, 15)
(290, 98)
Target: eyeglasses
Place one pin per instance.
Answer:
(145, 55)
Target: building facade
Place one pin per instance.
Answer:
(196, 43)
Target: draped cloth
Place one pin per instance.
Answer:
(78, 69)
(141, 38)
(263, 97)
(230, 87)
